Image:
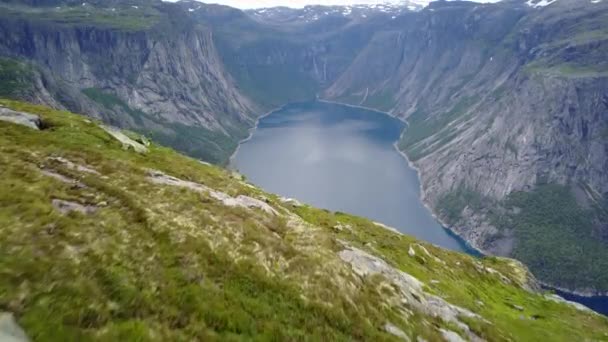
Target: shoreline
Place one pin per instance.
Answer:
(251, 130)
(573, 292)
(468, 244)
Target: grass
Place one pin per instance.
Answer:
(166, 263)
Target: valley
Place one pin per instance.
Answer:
(501, 110)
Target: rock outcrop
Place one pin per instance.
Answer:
(19, 118)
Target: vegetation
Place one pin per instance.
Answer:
(555, 233)
(451, 205)
(383, 101)
(15, 77)
(437, 129)
(198, 142)
(158, 262)
(123, 17)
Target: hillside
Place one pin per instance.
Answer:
(124, 240)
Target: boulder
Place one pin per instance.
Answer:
(10, 331)
(20, 118)
(127, 142)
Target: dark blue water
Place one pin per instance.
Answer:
(598, 304)
(341, 158)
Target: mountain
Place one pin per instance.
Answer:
(138, 64)
(308, 14)
(506, 102)
(506, 106)
(108, 237)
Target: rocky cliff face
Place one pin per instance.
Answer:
(500, 99)
(149, 75)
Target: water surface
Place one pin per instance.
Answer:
(342, 159)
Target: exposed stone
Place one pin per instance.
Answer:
(20, 118)
(451, 336)
(74, 166)
(62, 178)
(291, 201)
(124, 139)
(558, 299)
(66, 207)
(365, 264)
(239, 201)
(10, 331)
(394, 230)
(394, 330)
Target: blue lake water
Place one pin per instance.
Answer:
(342, 159)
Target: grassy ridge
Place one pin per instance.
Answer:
(126, 18)
(166, 263)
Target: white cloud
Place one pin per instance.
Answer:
(301, 3)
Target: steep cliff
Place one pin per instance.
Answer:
(501, 99)
(138, 64)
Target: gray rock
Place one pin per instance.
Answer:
(10, 331)
(62, 178)
(410, 288)
(239, 201)
(451, 336)
(394, 330)
(124, 139)
(66, 207)
(20, 118)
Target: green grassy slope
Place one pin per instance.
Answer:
(161, 262)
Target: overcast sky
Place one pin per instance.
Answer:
(302, 3)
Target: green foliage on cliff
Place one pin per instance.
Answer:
(156, 262)
(426, 133)
(451, 205)
(195, 141)
(555, 233)
(15, 77)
